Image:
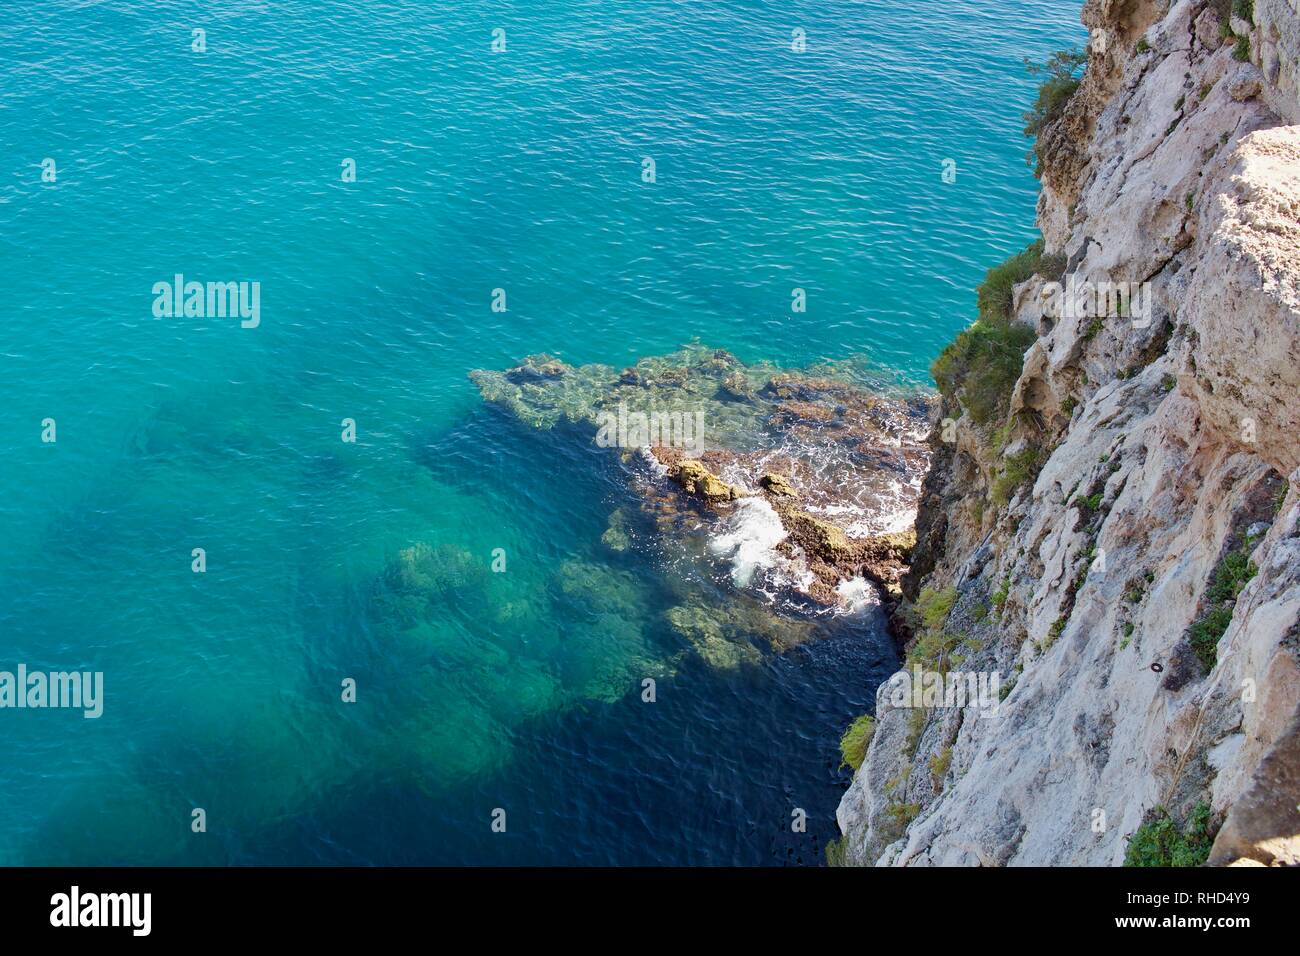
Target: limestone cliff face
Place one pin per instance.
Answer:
(1162, 444)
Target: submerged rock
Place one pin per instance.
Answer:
(417, 579)
(705, 635)
(616, 536)
(736, 387)
(838, 455)
(537, 368)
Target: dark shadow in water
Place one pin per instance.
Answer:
(709, 774)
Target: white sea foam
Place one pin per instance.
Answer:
(655, 465)
(749, 539)
(857, 594)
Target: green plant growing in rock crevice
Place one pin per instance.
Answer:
(1160, 842)
(935, 606)
(934, 645)
(1092, 502)
(1017, 470)
(939, 765)
(933, 650)
(995, 296)
(856, 740)
(916, 724)
(999, 597)
(1135, 588)
(1229, 577)
(902, 813)
(1054, 632)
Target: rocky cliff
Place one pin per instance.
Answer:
(1116, 537)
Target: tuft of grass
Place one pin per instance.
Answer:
(934, 646)
(1245, 9)
(1160, 842)
(835, 852)
(999, 597)
(1206, 633)
(939, 765)
(1080, 577)
(1019, 469)
(916, 724)
(1230, 576)
(994, 296)
(1051, 266)
(983, 363)
(856, 740)
(1241, 49)
(902, 813)
(1091, 502)
(1143, 46)
(933, 650)
(935, 606)
(1000, 437)
(1053, 633)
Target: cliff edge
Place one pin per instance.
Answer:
(1114, 530)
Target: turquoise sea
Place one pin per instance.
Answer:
(475, 170)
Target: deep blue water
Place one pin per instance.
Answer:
(476, 170)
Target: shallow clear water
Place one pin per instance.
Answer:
(475, 171)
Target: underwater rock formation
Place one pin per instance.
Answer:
(835, 455)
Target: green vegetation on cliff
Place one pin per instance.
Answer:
(935, 606)
(934, 646)
(1062, 75)
(1159, 842)
(980, 366)
(1230, 576)
(835, 852)
(1019, 469)
(854, 743)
